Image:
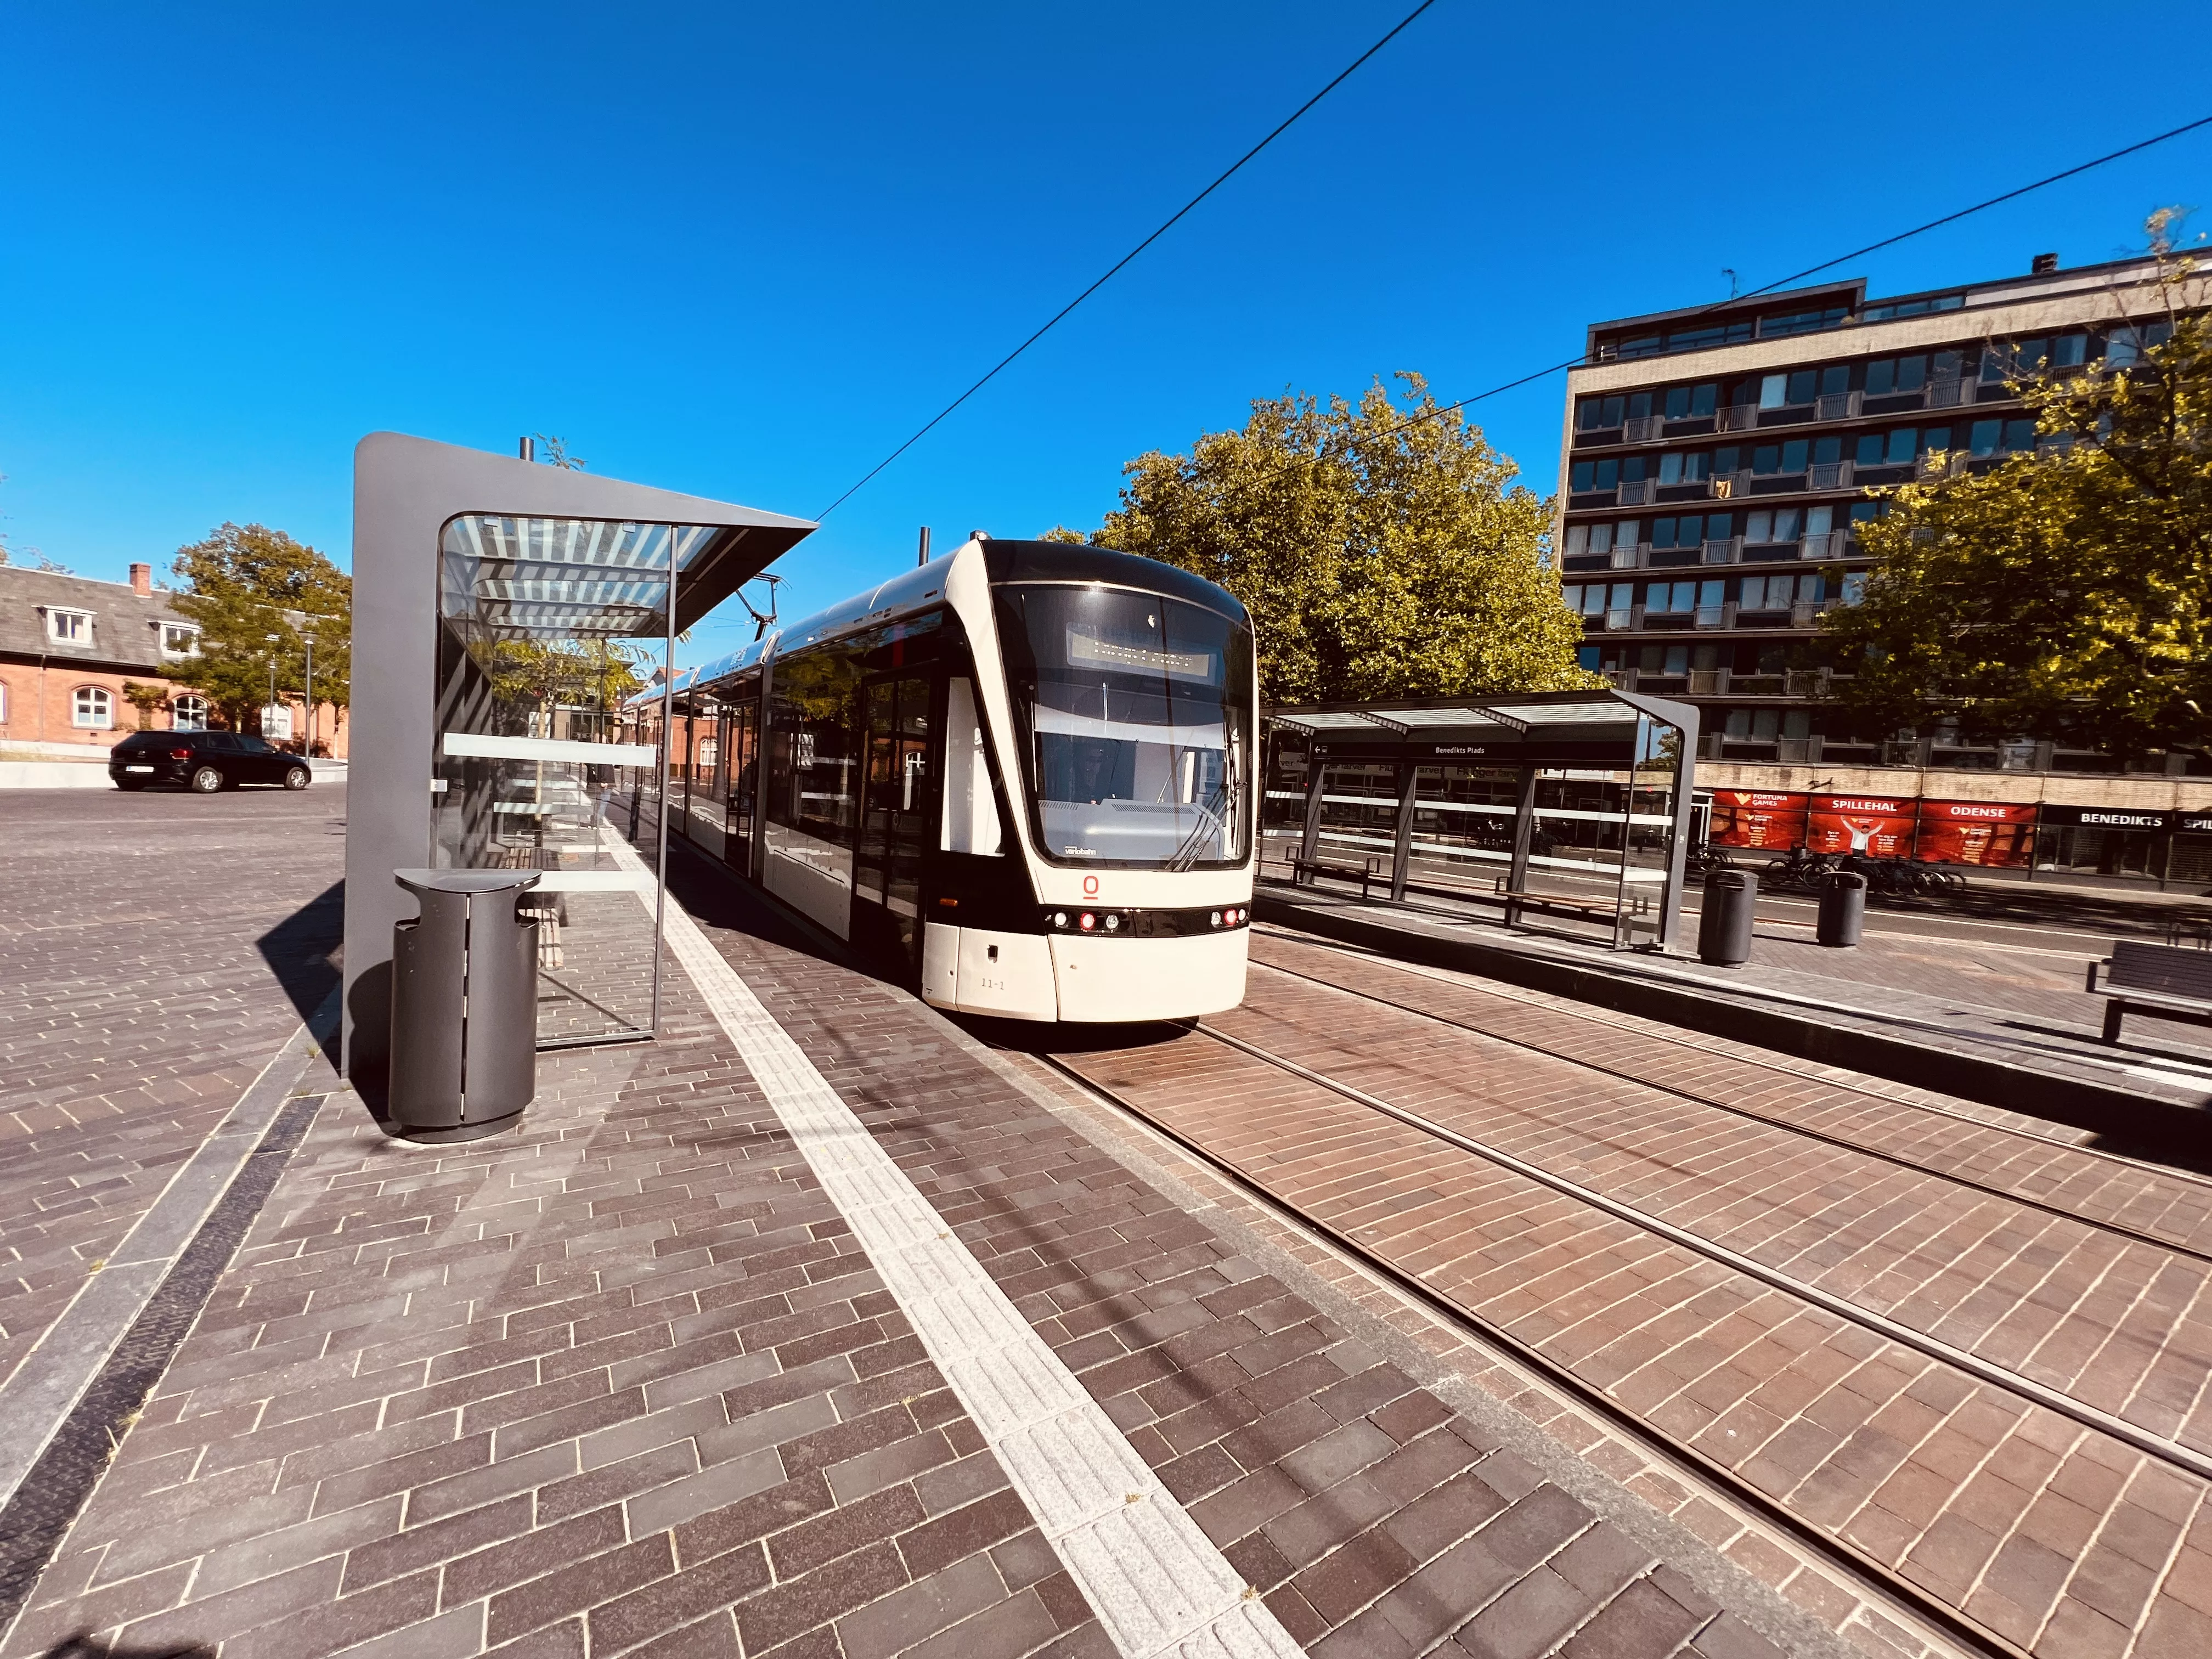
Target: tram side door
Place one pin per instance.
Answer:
(741, 747)
(898, 814)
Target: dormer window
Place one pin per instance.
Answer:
(69, 627)
(179, 640)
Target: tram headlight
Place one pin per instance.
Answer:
(1060, 918)
(1213, 919)
(1113, 924)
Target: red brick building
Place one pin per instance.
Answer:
(69, 648)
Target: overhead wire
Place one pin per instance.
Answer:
(1581, 358)
(1167, 225)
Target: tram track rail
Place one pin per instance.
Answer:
(1652, 1032)
(1874, 1579)
(1897, 1159)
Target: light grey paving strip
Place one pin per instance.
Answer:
(1156, 1582)
(44, 1388)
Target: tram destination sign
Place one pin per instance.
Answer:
(1507, 749)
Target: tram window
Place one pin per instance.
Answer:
(1136, 725)
(813, 766)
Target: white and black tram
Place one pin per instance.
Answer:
(1021, 775)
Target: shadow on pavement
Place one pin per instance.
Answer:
(86, 1646)
(302, 951)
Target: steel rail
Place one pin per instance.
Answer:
(1873, 1577)
(2144, 1440)
(1499, 989)
(2059, 1211)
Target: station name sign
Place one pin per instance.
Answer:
(1507, 749)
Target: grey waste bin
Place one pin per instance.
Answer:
(464, 1004)
(1724, 920)
(1843, 909)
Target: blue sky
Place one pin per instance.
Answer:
(743, 251)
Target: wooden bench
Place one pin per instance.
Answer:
(2160, 981)
(1606, 908)
(1304, 870)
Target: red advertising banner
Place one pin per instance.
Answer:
(1758, 818)
(1873, 826)
(1996, 835)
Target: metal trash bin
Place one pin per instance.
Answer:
(1724, 920)
(464, 1004)
(1843, 909)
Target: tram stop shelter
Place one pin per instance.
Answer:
(1573, 804)
(503, 613)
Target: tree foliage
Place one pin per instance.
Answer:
(1383, 550)
(2063, 594)
(245, 582)
(594, 675)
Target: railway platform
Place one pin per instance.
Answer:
(823, 1326)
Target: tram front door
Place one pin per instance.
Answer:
(898, 810)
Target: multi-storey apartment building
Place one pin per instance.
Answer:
(1715, 464)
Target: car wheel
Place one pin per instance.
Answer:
(206, 780)
(298, 777)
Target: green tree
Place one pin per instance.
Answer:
(1383, 550)
(145, 699)
(2066, 593)
(245, 582)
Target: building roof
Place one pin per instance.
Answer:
(126, 624)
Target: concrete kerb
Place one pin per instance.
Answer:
(38, 1397)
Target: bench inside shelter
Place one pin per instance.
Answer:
(2160, 981)
(1303, 870)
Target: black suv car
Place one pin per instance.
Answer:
(202, 762)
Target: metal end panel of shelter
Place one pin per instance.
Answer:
(1572, 803)
(503, 612)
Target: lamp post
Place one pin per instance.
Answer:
(273, 639)
(310, 750)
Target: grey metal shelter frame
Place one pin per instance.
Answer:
(424, 511)
(1528, 734)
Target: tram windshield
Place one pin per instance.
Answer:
(1136, 718)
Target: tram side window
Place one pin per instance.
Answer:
(814, 771)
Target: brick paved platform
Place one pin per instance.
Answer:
(159, 950)
(624, 1381)
(2018, 1013)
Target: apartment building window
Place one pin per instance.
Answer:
(1595, 539)
(179, 640)
(1987, 438)
(69, 627)
(1788, 391)
(1598, 414)
(1768, 460)
(1778, 592)
(1801, 322)
(1689, 403)
(1769, 528)
(2127, 345)
(1685, 466)
(1914, 308)
(1886, 375)
(188, 712)
(92, 707)
(1899, 445)
(1676, 598)
(1766, 725)
(1691, 528)
(1854, 586)
(1605, 475)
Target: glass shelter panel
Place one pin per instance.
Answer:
(545, 627)
(1463, 825)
